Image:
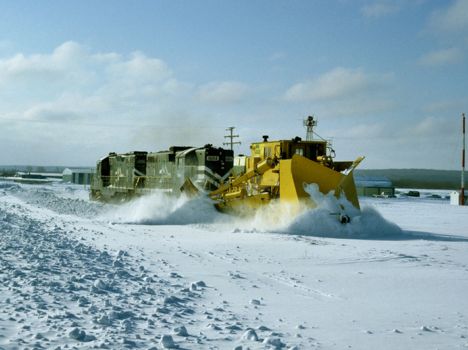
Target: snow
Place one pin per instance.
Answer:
(165, 272)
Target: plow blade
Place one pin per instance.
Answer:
(299, 171)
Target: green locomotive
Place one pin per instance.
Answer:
(124, 176)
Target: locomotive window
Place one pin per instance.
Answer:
(267, 152)
(229, 159)
(312, 152)
(212, 158)
(300, 151)
(190, 159)
(321, 150)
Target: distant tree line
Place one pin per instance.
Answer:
(8, 172)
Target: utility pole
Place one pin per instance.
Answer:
(231, 138)
(309, 123)
(462, 190)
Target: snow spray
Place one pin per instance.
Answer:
(322, 221)
(160, 208)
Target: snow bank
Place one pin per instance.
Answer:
(60, 198)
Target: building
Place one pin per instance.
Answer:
(81, 176)
(36, 178)
(36, 175)
(455, 198)
(374, 186)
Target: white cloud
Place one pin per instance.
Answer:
(72, 105)
(412, 131)
(63, 58)
(445, 106)
(432, 127)
(139, 68)
(373, 130)
(72, 95)
(51, 113)
(452, 18)
(442, 57)
(411, 142)
(379, 9)
(67, 108)
(223, 92)
(336, 84)
(345, 92)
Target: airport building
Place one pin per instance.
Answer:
(374, 186)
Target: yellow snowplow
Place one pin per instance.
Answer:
(281, 170)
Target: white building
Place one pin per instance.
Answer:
(455, 197)
(80, 176)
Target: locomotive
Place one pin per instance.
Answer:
(120, 177)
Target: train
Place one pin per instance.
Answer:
(275, 171)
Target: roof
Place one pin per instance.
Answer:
(372, 181)
(69, 171)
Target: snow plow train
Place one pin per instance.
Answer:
(274, 171)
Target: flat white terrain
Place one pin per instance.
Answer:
(174, 273)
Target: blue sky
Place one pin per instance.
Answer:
(386, 78)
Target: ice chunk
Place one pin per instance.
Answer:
(276, 343)
(104, 320)
(250, 334)
(181, 331)
(81, 335)
(167, 342)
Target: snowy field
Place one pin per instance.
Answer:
(172, 273)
